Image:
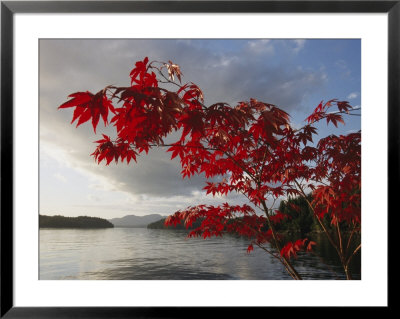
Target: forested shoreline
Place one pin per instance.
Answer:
(59, 221)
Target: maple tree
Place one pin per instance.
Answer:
(250, 148)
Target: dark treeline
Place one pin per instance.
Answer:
(73, 222)
(299, 216)
(299, 219)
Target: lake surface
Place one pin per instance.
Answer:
(157, 254)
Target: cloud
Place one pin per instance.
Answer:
(352, 95)
(60, 177)
(262, 46)
(299, 45)
(93, 198)
(269, 47)
(343, 67)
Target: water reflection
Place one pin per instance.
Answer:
(151, 254)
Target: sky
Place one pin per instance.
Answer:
(294, 74)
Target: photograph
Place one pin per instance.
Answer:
(199, 159)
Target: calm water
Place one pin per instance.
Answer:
(140, 253)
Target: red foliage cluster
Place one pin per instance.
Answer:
(339, 163)
(291, 249)
(250, 148)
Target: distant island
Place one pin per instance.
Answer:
(136, 221)
(73, 222)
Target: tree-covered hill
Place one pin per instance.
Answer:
(73, 222)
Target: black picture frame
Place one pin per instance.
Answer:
(9, 8)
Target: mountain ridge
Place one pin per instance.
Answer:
(135, 221)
